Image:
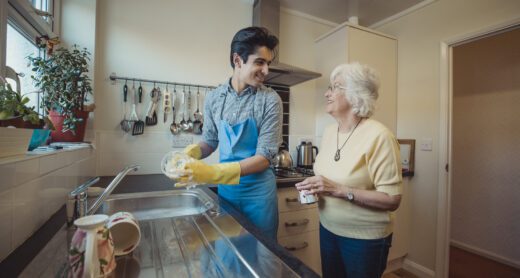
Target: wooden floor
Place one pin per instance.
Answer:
(464, 264)
(400, 273)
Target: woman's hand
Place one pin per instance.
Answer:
(319, 184)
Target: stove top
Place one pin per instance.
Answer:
(293, 172)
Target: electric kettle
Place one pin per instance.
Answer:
(306, 155)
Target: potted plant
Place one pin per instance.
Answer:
(14, 110)
(64, 86)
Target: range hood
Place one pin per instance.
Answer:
(266, 13)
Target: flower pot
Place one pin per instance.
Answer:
(58, 136)
(16, 122)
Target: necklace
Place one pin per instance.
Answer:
(337, 156)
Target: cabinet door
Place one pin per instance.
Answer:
(305, 247)
(380, 53)
(352, 44)
(297, 222)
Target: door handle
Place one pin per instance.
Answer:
(294, 248)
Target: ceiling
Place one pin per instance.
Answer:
(368, 12)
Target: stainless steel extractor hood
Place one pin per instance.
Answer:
(266, 13)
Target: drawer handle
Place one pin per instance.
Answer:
(297, 223)
(294, 248)
(291, 200)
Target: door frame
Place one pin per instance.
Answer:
(445, 138)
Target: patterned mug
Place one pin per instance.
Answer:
(124, 228)
(91, 252)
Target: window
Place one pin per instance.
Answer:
(21, 22)
(18, 48)
(44, 9)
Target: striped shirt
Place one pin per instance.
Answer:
(262, 103)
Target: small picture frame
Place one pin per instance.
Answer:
(407, 147)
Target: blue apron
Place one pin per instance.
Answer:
(255, 196)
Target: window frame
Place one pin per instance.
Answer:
(22, 16)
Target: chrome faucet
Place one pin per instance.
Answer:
(77, 203)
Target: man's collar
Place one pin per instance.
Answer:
(230, 89)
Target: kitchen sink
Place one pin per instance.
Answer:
(185, 233)
(154, 205)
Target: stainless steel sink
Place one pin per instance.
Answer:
(184, 233)
(153, 205)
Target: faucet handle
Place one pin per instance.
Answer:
(77, 201)
(84, 187)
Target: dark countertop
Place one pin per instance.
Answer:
(15, 263)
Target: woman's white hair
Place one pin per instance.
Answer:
(362, 86)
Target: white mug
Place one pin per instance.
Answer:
(125, 232)
(307, 199)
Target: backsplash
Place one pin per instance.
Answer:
(34, 187)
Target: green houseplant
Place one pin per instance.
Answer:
(65, 87)
(14, 110)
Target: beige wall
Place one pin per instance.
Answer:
(80, 15)
(297, 48)
(179, 41)
(486, 121)
(419, 35)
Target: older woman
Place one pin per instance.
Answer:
(358, 178)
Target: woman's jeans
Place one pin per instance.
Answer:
(352, 258)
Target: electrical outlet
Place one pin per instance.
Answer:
(181, 141)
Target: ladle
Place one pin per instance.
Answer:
(188, 110)
(174, 127)
(184, 125)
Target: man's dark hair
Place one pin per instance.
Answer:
(246, 41)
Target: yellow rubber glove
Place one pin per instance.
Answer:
(193, 150)
(221, 173)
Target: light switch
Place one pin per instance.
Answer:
(426, 144)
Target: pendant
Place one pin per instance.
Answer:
(337, 156)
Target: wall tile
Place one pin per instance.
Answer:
(8, 173)
(27, 170)
(6, 218)
(48, 163)
(27, 216)
(51, 195)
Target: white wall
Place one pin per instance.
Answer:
(419, 35)
(80, 15)
(179, 41)
(297, 35)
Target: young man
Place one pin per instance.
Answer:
(244, 119)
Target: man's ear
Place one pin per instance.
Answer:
(237, 60)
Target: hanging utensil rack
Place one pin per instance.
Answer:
(114, 77)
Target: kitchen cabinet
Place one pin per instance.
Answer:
(351, 43)
(298, 228)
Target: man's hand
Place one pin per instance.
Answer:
(193, 150)
(221, 173)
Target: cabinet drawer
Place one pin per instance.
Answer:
(288, 200)
(297, 222)
(305, 247)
